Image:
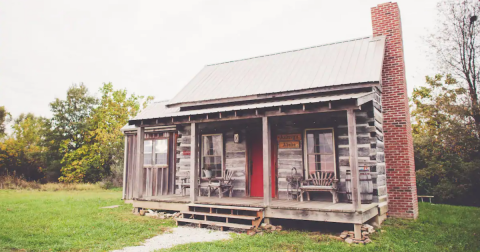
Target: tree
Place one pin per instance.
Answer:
(104, 145)
(447, 156)
(4, 119)
(22, 152)
(68, 127)
(457, 45)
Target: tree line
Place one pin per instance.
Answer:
(81, 142)
(446, 111)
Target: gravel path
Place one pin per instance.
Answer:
(179, 235)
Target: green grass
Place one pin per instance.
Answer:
(71, 221)
(439, 228)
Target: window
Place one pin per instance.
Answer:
(155, 152)
(212, 154)
(320, 153)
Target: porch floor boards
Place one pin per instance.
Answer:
(321, 206)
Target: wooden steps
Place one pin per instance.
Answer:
(215, 223)
(253, 209)
(222, 216)
(244, 217)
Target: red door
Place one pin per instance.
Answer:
(256, 181)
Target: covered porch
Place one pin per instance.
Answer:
(278, 208)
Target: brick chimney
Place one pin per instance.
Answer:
(400, 166)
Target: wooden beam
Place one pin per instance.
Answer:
(352, 141)
(271, 113)
(125, 156)
(194, 162)
(267, 157)
(139, 185)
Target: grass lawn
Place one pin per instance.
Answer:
(71, 221)
(439, 228)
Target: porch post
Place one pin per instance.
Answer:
(125, 156)
(139, 186)
(267, 155)
(193, 163)
(352, 141)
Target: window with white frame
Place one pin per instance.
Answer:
(155, 152)
(320, 150)
(212, 154)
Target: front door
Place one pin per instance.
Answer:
(256, 156)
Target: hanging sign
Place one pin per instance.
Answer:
(289, 145)
(289, 137)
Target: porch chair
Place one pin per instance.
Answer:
(223, 185)
(185, 184)
(320, 182)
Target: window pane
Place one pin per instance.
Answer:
(147, 159)
(310, 143)
(161, 146)
(212, 154)
(147, 146)
(327, 163)
(161, 158)
(320, 151)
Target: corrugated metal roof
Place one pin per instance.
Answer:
(348, 62)
(159, 110)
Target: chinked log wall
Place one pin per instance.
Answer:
(370, 147)
(234, 158)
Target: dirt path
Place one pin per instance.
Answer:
(179, 235)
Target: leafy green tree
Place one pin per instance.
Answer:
(446, 143)
(104, 144)
(4, 119)
(68, 128)
(21, 153)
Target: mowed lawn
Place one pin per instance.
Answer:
(71, 221)
(439, 228)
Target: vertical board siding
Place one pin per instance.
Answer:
(131, 163)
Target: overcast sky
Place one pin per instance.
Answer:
(156, 47)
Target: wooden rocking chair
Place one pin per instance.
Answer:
(320, 181)
(223, 185)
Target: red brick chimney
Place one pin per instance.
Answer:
(400, 166)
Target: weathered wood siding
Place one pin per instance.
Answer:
(183, 156)
(130, 169)
(379, 170)
(369, 147)
(287, 158)
(235, 160)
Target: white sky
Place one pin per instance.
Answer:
(156, 47)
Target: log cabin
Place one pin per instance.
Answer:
(318, 134)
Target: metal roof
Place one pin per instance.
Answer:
(347, 62)
(159, 110)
